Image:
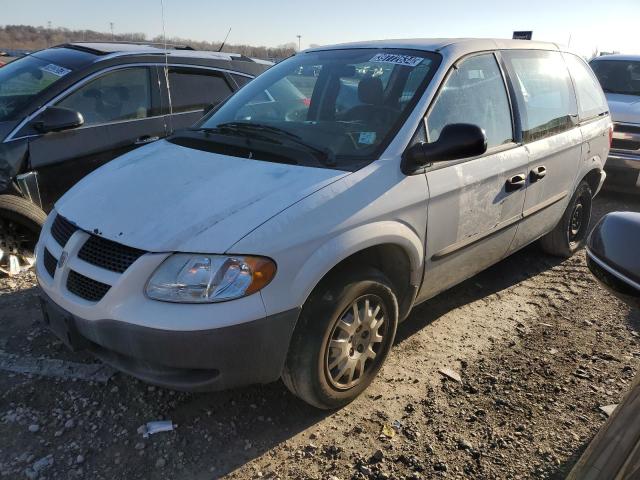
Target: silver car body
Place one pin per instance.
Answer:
(448, 223)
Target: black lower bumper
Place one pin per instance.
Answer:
(203, 360)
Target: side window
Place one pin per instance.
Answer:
(193, 89)
(115, 96)
(474, 93)
(591, 100)
(241, 80)
(544, 91)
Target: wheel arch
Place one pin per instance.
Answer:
(593, 177)
(392, 247)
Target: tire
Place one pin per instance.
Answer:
(20, 225)
(307, 373)
(570, 234)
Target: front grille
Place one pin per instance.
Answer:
(622, 144)
(62, 229)
(618, 127)
(109, 255)
(85, 287)
(49, 263)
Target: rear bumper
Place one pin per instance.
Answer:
(201, 360)
(623, 171)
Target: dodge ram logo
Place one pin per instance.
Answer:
(63, 259)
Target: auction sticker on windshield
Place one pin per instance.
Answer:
(397, 59)
(56, 70)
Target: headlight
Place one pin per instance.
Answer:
(187, 278)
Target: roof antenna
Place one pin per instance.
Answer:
(166, 65)
(225, 40)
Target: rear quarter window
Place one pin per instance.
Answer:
(591, 99)
(544, 92)
(193, 89)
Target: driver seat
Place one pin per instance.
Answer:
(372, 108)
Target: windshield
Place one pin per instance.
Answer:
(337, 108)
(618, 76)
(23, 79)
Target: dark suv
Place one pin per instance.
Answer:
(67, 110)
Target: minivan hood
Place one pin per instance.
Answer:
(164, 197)
(624, 108)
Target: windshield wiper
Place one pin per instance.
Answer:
(324, 155)
(231, 130)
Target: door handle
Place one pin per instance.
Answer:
(145, 139)
(516, 182)
(538, 173)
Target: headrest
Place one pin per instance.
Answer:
(370, 91)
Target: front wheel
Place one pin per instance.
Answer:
(571, 231)
(20, 224)
(345, 331)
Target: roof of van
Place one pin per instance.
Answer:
(617, 56)
(436, 44)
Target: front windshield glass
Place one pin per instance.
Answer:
(23, 79)
(340, 107)
(618, 76)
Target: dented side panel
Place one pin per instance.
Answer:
(13, 158)
(472, 217)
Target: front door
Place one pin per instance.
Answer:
(474, 204)
(121, 112)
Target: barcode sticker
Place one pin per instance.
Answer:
(397, 59)
(56, 70)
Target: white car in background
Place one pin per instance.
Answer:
(619, 76)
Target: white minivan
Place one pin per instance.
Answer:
(288, 232)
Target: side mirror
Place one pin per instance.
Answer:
(55, 119)
(457, 140)
(612, 255)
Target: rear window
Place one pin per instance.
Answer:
(544, 92)
(591, 100)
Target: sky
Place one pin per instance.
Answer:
(583, 24)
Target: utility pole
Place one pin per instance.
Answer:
(111, 25)
(299, 37)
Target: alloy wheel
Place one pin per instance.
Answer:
(356, 342)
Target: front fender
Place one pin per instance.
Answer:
(293, 290)
(13, 157)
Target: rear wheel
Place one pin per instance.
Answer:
(20, 225)
(571, 232)
(345, 331)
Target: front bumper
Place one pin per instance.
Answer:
(201, 360)
(623, 171)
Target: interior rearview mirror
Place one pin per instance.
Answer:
(612, 255)
(456, 141)
(55, 119)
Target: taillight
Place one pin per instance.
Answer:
(306, 101)
(610, 135)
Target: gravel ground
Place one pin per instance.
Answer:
(538, 347)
